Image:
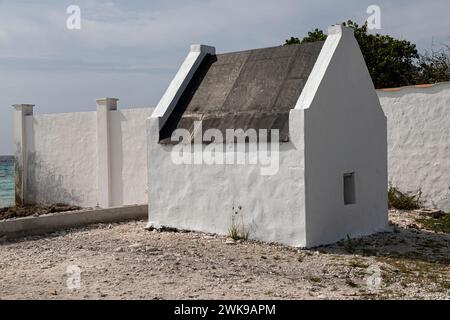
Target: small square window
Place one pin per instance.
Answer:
(349, 188)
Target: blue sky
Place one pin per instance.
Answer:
(131, 49)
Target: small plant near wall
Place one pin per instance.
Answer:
(403, 201)
(238, 230)
(349, 246)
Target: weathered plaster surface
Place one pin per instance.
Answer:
(129, 156)
(202, 197)
(62, 159)
(104, 108)
(21, 112)
(419, 141)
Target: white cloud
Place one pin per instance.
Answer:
(130, 49)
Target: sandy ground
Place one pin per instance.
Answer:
(124, 261)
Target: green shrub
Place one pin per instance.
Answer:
(441, 224)
(233, 232)
(403, 201)
(238, 233)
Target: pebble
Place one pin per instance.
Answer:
(52, 292)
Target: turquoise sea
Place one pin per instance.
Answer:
(6, 181)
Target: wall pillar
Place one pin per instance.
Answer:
(20, 157)
(104, 108)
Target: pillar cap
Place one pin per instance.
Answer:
(23, 105)
(110, 103)
(27, 108)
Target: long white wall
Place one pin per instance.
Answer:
(62, 158)
(419, 140)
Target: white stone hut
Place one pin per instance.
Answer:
(326, 177)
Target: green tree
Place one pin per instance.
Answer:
(435, 66)
(391, 62)
(313, 36)
(293, 40)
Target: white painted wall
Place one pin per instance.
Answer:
(129, 156)
(63, 158)
(201, 197)
(345, 132)
(419, 141)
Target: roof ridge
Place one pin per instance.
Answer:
(271, 47)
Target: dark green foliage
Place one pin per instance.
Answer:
(403, 201)
(313, 36)
(434, 66)
(392, 62)
(293, 40)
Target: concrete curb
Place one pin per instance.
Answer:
(29, 226)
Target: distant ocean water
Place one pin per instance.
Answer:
(6, 181)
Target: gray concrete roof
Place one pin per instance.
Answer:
(242, 90)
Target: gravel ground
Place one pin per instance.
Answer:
(124, 261)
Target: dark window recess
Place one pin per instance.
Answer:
(349, 188)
